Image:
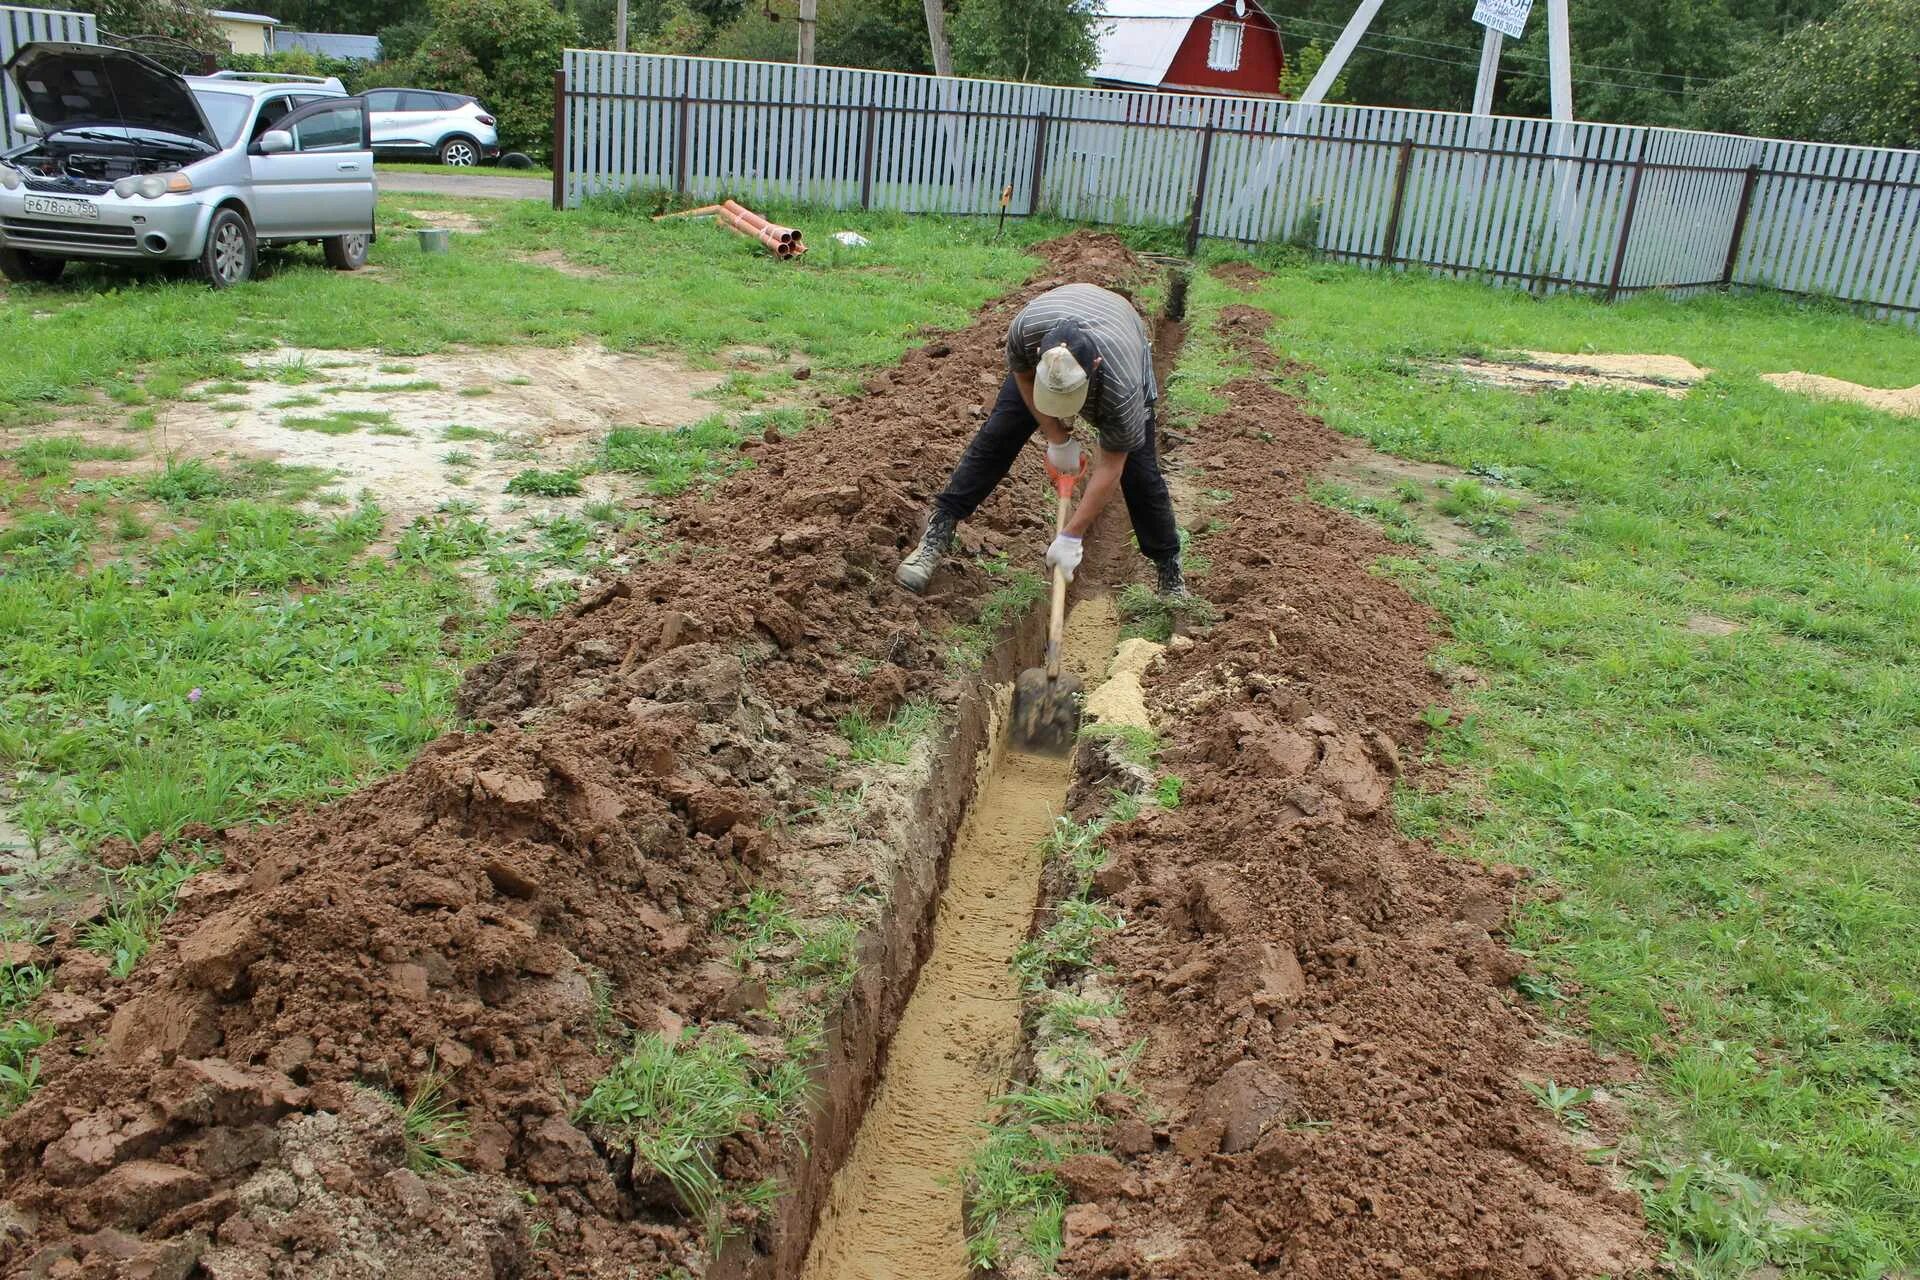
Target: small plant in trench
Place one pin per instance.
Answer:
(890, 742)
(1166, 792)
(1135, 745)
(432, 1123)
(1146, 614)
(1018, 591)
(20, 1042)
(673, 1103)
(1563, 1101)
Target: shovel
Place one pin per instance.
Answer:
(1046, 702)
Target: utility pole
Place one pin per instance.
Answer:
(937, 37)
(620, 26)
(809, 17)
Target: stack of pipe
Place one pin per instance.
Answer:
(783, 241)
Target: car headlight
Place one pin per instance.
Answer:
(153, 186)
(9, 177)
(126, 187)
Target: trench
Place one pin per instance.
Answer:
(894, 1209)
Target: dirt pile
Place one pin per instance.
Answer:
(495, 913)
(1332, 1040)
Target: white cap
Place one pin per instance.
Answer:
(1059, 384)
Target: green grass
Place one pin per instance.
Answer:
(1146, 614)
(672, 459)
(20, 1039)
(143, 894)
(52, 457)
(546, 484)
(431, 1124)
(889, 742)
(257, 661)
(455, 431)
(1392, 517)
(1732, 817)
(671, 1103)
(340, 422)
(840, 309)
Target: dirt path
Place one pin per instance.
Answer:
(895, 1209)
(462, 184)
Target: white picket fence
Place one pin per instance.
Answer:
(1611, 208)
(23, 26)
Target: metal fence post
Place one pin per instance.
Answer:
(685, 109)
(866, 157)
(1039, 161)
(1200, 189)
(560, 138)
(1626, 221)
(1751, 181)
(1389, 253)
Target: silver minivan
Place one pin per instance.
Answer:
(129, 161)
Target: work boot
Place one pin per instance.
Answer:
(917, 569)
(1173, 584)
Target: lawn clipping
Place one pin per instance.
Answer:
(1332, 1039)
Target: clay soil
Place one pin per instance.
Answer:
(500, 910)
(1334, 1052)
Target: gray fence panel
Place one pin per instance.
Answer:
(24, 26)
(1523, 202)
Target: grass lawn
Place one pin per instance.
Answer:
(1701, 718)
(192, 641)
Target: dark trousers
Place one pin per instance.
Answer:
(994, 447)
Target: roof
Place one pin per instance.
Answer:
(1140, 37)
(232, 15)
(332, 44)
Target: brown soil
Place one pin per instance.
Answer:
(643, 761)
(1333, 1046)
(1239, 273)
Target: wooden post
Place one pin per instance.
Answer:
(1626, 221)
(1740, 223)
(1200, 189)
(1039, 161)
(685, 109)
(1390, 252)
(866, 158)
(620, 26)
(560, 138)
(809, 19)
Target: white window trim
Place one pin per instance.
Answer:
(1223, 48)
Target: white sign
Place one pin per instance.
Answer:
(1508, 17)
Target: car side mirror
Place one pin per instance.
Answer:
(275, 141)
(25, 124)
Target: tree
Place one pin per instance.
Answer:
(1854, 78)
(883, 35)
(1042, 41)
(1302, 65)
(361, 17)
(503, 52)
(187, 24)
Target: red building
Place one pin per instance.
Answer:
(1190, 46)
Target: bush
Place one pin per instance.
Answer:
(503, 52)
(352, 72)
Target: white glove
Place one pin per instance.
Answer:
(1065, 554)
(1065, 456)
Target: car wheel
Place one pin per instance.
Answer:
(345, 253)
(462, 152)
(30, 268)
(230, 252)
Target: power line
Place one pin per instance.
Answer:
(1518, 71)
(1511, 53)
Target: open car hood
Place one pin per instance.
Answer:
(78, 86)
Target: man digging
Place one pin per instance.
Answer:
(1075, 350)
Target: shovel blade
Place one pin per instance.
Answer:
(1046, 713)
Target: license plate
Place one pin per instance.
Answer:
(63, 208)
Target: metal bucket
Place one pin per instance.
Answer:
(435, 239)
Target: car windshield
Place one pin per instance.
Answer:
(226, 112)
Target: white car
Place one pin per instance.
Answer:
(425, 123)
(127, 161)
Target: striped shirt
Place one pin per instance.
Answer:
(1123, 386)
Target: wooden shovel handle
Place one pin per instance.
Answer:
(1056, 624)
